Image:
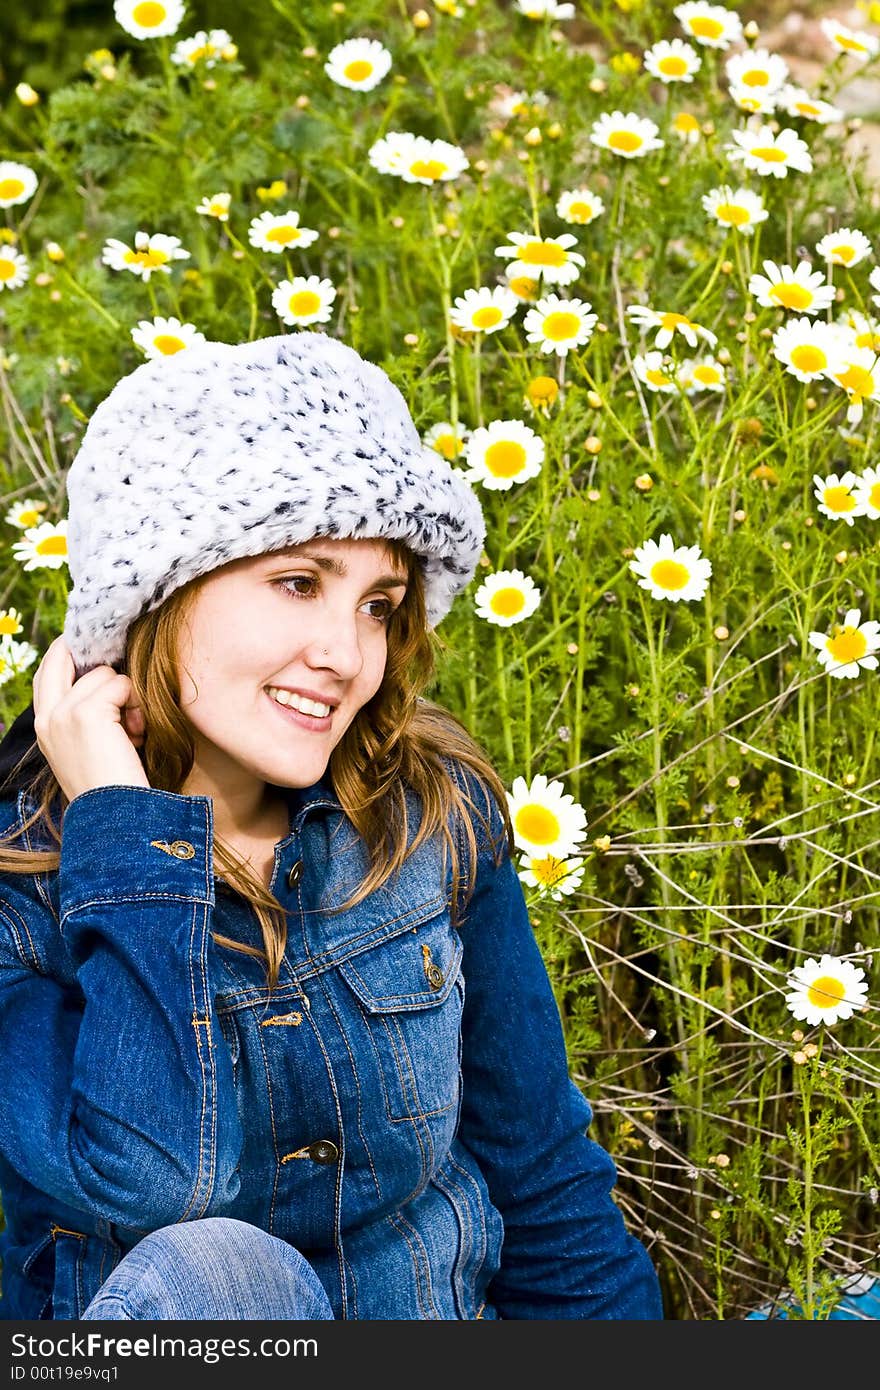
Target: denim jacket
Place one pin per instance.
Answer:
(399, 1108)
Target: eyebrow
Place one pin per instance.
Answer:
(337, 567)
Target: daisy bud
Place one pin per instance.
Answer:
(209, 84)
(742, 337)
(237, 255)
(663, 180)
(786, 545)
(811, 402)
(739, 514)
(634, 691)
(554, 131)
(572, 648)
(593, 444)
(726, 269)
(44, 278)
(733, 783)
(722, 1160)
(644, 482)
(337, 7)
(421, 20)
(108, 72)
(708, 127)
(533, 136)
(397, 222)
(481, 166)
(522, 156)
(54, 251)
(749, 317)
(842, 556)
(715, 1214)
(302, 102)
(411, 339)
(810, 1049)
(596, 85)
(797, 1035)
(309, 51)
(334, 232)
(809, 521)
(799, 1058)
(850, 779)
(751, 31)
(26, 94)
(55, 296)
(765, 333)
(229, 53)
(602, 843)
(593, 495)
(594, 400)
(721, 633)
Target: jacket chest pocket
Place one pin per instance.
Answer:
(411, 994)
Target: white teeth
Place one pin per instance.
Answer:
(285, 697)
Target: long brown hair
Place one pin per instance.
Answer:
(396, 741)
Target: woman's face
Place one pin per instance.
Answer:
(311, 619)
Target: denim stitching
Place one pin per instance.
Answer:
(276, 1145)
(455, 1197)
(422, 1265)
(344, 1038)
(197, 1024)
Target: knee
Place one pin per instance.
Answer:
(213, 1268)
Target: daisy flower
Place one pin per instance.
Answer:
(14, 268)
(546, 819)
(415, 159)
(835, 496)
(765, 151)
(445, 440)
(547, 257)
(26, 514)
(484, 310)
(544, 9)
(626, 134)
(43, 546)
(215, 206)
(161, 337)
(867, 493)
(541, 395)
(359, 64)
(650, 368)
(506, 597)
(10, 622)
(753, 100)
(860, 46)
(825, 990)
(846, 247)
(668, 324)
(801, 288)
(711, 25)
(555, 877)
(672, 61)
(686, 127)
(795, 101)
(15, 657)
(149, 253)
(874, 282)
(559, 325)
(205, 48)
(503, 453)
(735, 207)
(524, 287)
(678, 573)
(701, 374)
(579, 206)
(511, 104)
(18, 183)
(807, 349)
(279, 231)
(858, 372)
(148, 19)
(303, 300)
(849, 647)
(865, 331)
(757, 69)
(449, 7)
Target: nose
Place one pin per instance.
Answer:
(336, 644)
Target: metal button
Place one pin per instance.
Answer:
(323, 1151)
(295, 873)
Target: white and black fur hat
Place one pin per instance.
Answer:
(229, 450)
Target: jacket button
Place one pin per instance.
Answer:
(323, 1151)
(295, 873)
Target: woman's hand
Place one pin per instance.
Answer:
(85, 728)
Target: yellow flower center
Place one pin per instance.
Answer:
(284, 235)
(447, 445)
(523, 286)
(685, 122)
(52, 545)
(537, 824)
(543, 253)
(874, 496)
(825, 992)
(843, 253)
(771, 154)
(848, 644)
(734, 214)
(145, 259)
(673, 66)
(30, 517)
(428, 168)
(808, 358)
(707, 376)
(755, 77)
(858, 380)
(792, 295)
(7, 268)
(838, 499)
(702, 27)
(168, 344)
(851, 44)
(358, 70)
(505, 458)
(8, 626)
(549, 871)
(507, 602)
(304, 302)
(657, 378)
(487, 317)
(11, 188)
(806, 108)
(148, 14)
(673, 321)
(624, 140)
(560, 325)
(207, 50)
(542, 388)
(868, 339)
(669, 574)
(580, 212)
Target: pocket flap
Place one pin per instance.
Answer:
(414, 970)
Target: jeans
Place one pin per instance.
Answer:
(213, 1269)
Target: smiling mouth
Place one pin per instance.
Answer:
(313, 722)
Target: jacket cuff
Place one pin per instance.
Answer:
(121, 842)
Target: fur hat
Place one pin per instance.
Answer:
(229, 450)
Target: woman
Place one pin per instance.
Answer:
(278, 1041)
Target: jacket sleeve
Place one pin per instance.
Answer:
(117, 1092)
(566, 1252)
